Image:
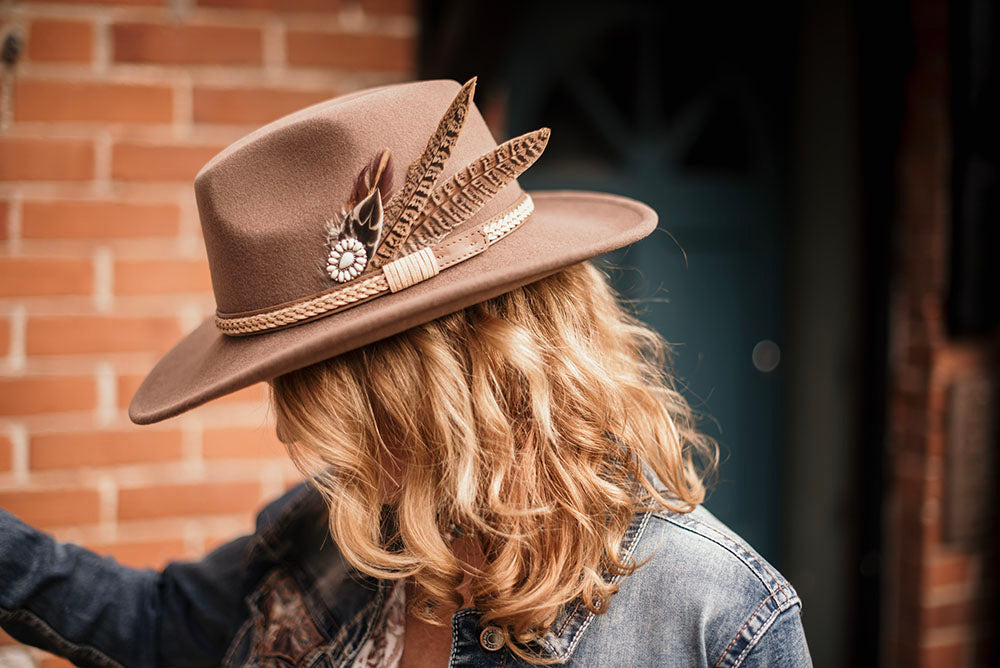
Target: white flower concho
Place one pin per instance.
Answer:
(347, 260)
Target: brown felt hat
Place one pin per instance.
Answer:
(362, 216)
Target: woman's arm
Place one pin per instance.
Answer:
(96, 612)
(71, 602)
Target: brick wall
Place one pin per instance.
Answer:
(105, 118)
(940, 596)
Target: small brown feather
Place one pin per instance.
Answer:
(383, 177)
(462, 196)
(405, 206)
(361, 216)
(377, 174)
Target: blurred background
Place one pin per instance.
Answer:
(827, 175)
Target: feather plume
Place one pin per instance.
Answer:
(378, 174)
(459, 198)
(406, 205)
(361, 216)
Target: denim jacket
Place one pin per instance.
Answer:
(284, 597)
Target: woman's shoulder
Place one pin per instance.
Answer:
(701, 549)
(710, 594)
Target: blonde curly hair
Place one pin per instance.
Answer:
(525, 420)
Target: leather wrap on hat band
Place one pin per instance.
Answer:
(398, 275)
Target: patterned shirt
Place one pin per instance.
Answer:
(384, 647)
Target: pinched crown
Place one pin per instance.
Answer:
(379, 242)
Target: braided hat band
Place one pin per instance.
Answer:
(393, 277)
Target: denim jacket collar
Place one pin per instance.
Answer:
(347, 603)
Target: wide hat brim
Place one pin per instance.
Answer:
(566, 227)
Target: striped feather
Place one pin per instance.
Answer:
(462, 196)
(405, 206)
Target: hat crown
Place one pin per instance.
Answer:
(264, 202)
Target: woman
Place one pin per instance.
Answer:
(500, 472)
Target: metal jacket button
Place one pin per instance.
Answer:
(491, 638)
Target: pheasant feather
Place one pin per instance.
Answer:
(405, 206)
(354, 232)
(377, 175)
(462, 196)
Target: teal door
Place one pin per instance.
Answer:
(654, 105)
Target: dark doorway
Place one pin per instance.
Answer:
(738, 123)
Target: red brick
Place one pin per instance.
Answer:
(52, 508)
(254, 393)
(254, 106)
(6, 454)
(128, 384)
(47, 335)
(98, 220)
(276, 5)
(158, 162)
(213, 541)
(186, 44)
(350, 51)
(241, 443)
(36, 277)
(101, 2)
(388, 7)
(957, 613)
(213, 498)
(102, 449)
(31, 395)
(92, 101)
(4, 224)
(939, 656)
(4, 336)
(46, 160)
(148, 554)
(157, 277)
(945, 570)
(60, 41)
(52, 661)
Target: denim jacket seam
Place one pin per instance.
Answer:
(455, 623)
(772, 613)
(346, 648)
(270, 526)
(743, 553)
(319, 614)
(775, 581)
(765, 627)
(627, 552)
(61, 645)
(237, 639)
